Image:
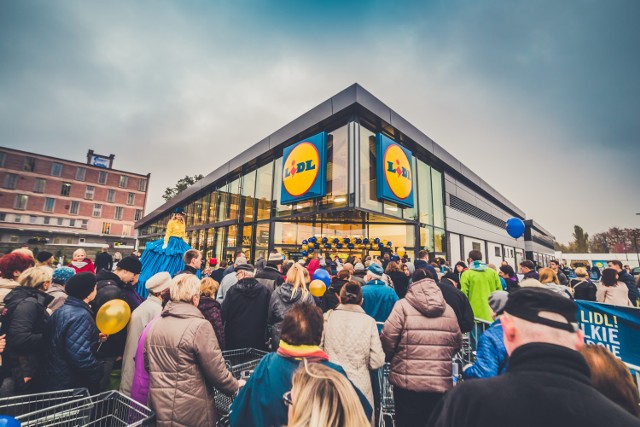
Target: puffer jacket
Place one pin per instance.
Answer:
(420, 337)
(491, 354)
(24, 319)
(212, 311)
(282, 300)
(244, 313)
(184, 363)
(72, 344)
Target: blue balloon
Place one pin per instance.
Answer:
(339, 245)
(347, 240)
(327, 245)
(322, 275)
(316, 245)
(515, 227)
(380, 245)
(358, 241)
(365, 240)
(336, 240)
(7, 421)
(304, 242)
(376, 240)
(312, 239)
(305, 253)
(350, 246)
(389, 244)
(310, 250)
(325, 240)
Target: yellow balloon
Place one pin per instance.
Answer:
(305, 247)
(317, 288)
(113, 316)
(401, 251)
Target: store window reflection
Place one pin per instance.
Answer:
(337, 168)
(438, 202)
(248, 190)
(264, 182)
(425, 202)
(367, 154)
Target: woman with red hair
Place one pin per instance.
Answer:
(11, 267)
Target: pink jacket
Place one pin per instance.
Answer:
(140, 384)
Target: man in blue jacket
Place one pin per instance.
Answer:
(378, 298)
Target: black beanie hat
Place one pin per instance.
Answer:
(130, 263)
(43, 256)
(81, 285)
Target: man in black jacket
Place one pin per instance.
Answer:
(624, 276)
(104, 260)
(457, 300)
(547, 382)
(271, 274)
(192, 262)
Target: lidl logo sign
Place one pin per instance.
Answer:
(395, 172)
(303, 170)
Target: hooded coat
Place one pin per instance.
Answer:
(420, 337)
(212, 311)
(477, 283)
(244, 313)
(378, 300)
(282, 300)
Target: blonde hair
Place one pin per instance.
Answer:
(184, 287)
(297, 277)
(35, 277)
(547, 275)
(324, 398)
(208, 287)
(78, 251)
(24, 251)
(581, 272)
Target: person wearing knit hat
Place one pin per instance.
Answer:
(457, 300)
(130, 263)
(57, 289)
(378, 297)
(81, 285)
(45, 259)
(271, 275)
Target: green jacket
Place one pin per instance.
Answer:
(477, 283)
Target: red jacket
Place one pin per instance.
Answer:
(87, 268)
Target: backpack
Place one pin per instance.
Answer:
(572, 288)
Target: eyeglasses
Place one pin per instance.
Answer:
(286, 399)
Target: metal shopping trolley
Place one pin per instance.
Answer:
(108, 409)
(18, 405)
(240, 363)
(387, 405)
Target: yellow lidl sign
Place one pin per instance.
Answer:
(395, 172)
(303, 170)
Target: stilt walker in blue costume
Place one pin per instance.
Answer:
(165, 254)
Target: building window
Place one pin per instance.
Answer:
(47, 220)
(106, 228)
(111, 196)
(89, 191)
(498, 251)
(33, 219)
(49, 204)
(124, 181)
(75, 207)
(3, 156)
(126, 230)
(60, 221)
(3, 216)
(29, 164)
(102, 177)
(56, 240)
(38, 186)
(65, 189)
(81, 173)
(17, 218)
(142, 184)
(131, 198)
(118, 214)
(97, 210)
(56, 169)
(84, 224)
(72, 223)
(138, 215)
(21, 201)
(13, 239)
(10, 180)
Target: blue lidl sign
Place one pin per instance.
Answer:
(394, 172)
(304, 168)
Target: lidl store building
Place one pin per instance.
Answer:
(349, 167)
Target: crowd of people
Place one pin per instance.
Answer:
(324, 351)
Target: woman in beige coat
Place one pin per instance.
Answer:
(611, 291)
(351, 339)
(184, 361)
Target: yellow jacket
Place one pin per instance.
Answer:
(175, 228)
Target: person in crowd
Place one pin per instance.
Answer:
(140, 318)
(192, 262)
(24, 319)
(595, 272)
(477, 283)
(627, 279)
(116, 285)
(271, 274)
(230, 280)
(244, 311)
(239, 258)
(261, 263)
(399, 279)
(44, 259)
(314, 264)
(104, 259)
(217, 272)
(72, 339)
(331, 298)
(528, 269)
(423, 262)
(351, 339)
(80, 263)
(491, 354)
(457, 300)
(259, 402)
(612, 290)
(378, 297)
(582, 287)
(555, 266)
(611, 377)
(359, 273)
(408, 269)
(293, 291)
(460, 268)
(549, 279)
(57, 288)
(510, 278)
(547, 381)
(502, 281)
(321, 397)
(11, 267)
(420, 338)
(117, 257)
(211, 309)
(184, 361)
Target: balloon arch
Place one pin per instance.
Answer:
(313, 243)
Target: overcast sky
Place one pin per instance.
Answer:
(539, 98)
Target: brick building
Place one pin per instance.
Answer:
(59, 205)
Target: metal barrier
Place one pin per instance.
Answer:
(24, 404)
(387, 405)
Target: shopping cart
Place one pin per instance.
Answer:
(108, 409)
(240, 363)
(18, 405)
(387, 406)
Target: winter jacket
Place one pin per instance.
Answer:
(531, 275)
(330, 298)
(189, 270)
(511, 284)
(259, 403)
(270, 277)
(283, 300)
(400, 282)
(459, 303)
(83, 266)
(614, 295)
(426, 266)
(351, 340)
(141, 380)
(184, 363)
(244, 313)
(212, 311)
(583, 289)
(491, 354)
(545, 385)
(420, 337)
(103, 260)
(59, 296)
(477, 283)
(562, 278)
(559, 289)
(314, 264)
(72, 343)
(378, 300)
(261, 263)
(140, 318)
(6, 286)
(228, 281)
(24, 319)
(628, 280)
